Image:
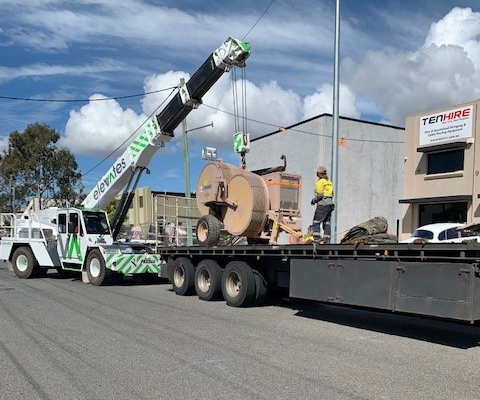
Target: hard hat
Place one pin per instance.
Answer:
(321, 170)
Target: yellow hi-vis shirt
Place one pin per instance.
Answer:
(324, 186)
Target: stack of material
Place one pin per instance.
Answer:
(373, 231)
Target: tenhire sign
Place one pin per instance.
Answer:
(446, 126)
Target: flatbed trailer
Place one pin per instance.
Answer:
(441, 280)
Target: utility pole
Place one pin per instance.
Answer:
(186, 169)
(336, 75)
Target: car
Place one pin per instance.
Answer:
(444, 232)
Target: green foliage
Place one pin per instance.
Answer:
(34, 166)
(111, 207)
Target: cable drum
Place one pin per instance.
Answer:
(250, 193)
(207, 183)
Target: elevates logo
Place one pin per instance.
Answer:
(109, 178)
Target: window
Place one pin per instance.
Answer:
(423, 233)
(62, 223)
(446, 161)
(448, 234)
(447, 212)
(96, 223)
(74, 224)
(140, 201)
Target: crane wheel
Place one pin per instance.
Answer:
(183, 276)
(238, 284)
(98, 273)
(24, 263)
(208, 280)
(208, 230)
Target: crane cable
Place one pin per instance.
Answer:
(240, 120)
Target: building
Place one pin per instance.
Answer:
(370, 162)
(152, 211)
(441, 168)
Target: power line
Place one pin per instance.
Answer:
(127, 139)
(302, 131)
(258, 20)
(85, 100)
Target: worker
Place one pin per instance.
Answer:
(323, 198)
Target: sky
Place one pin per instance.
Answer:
(397, 57)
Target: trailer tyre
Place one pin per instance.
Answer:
(261, 287)
(24, 263)
(208, 230)
(238, 284)
(98, 273)
(208, 280)
(183, 276)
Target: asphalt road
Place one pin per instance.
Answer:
(62, 339)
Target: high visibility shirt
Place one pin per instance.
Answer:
(324, 186)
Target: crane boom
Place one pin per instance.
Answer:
(159, 129)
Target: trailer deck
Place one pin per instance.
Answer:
(434, 279)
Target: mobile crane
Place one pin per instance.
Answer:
(81, 238)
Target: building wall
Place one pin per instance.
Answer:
(421, 185)
(370, 166)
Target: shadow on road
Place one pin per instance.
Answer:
(125, 281)
(448, 333)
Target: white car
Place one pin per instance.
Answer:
(438, 233)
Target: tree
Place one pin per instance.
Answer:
(33, 166)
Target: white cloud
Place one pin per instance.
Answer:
(3, 144)
(159, 82)
(444, 71)
(460, 27)
(105, 65)
(322, 102)
(100, 127)
(268, 103)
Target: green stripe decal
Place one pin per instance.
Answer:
(137, 270)
(126, 263)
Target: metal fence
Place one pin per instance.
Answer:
(175, 220)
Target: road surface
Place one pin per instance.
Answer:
(62, 339)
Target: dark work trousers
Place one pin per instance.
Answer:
(322, 216)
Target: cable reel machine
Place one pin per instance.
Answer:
(242, 203)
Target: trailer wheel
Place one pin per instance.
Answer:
(183, 276)
(24, 263)
(98, 273)
(208, 280)
(261, 287)
(208, 230)
(170, 262)
(238, 284)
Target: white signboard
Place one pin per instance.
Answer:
(446, 126)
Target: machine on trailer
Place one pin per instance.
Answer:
(256, 205)
(81, 239)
